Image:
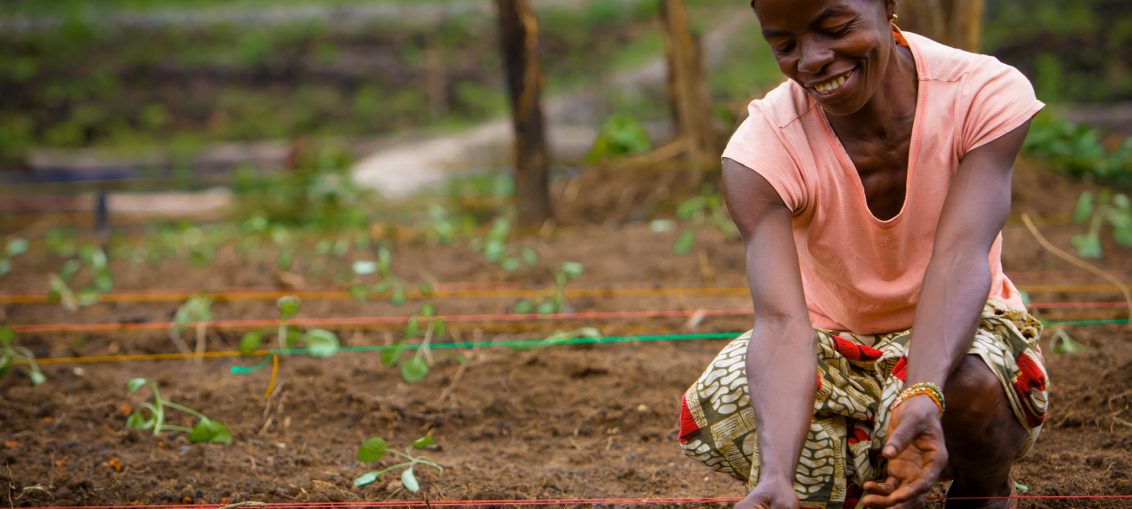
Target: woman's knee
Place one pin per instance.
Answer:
(979, 421)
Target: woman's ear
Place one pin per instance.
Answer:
(890, 8)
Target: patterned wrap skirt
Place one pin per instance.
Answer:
(857, 384)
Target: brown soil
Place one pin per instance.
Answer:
(560, 422)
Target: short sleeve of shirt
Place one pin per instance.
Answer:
(1000, 99)
(759, 145)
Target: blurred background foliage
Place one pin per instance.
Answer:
(124, 74)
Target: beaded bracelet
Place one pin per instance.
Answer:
(923, 388)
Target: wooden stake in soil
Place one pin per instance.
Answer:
(519, 29)
(687, 89)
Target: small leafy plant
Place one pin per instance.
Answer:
(1105, 208)
(389, 284)
(417, 366)
(151, 416)
(11, 354)
(103, 280)
(494, 247)
(556, 303)
(198, 311)
(318, 342)
(14, 248)
(374, 449)
(705, 209)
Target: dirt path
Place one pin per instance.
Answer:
(401, 168)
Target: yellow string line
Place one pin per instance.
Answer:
(274, 374)
(135, 297)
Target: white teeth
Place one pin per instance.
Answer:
(831, 86)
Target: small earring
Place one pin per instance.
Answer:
(895, 17)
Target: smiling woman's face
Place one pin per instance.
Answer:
(838, 50)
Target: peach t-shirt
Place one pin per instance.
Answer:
(861, 274)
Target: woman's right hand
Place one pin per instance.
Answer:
(770, 495)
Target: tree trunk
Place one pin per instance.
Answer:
(955, 23)
(687, 89)
(519, 31)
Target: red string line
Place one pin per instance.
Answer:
(542, 502)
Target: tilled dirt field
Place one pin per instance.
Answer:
(551, 423)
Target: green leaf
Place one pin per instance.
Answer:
(5, 266)
(380, 287)
(134, 384)
(425, 288)
(372, 450)
(524, 307)
(1064, 344)
(494, 251)
(428, 310)
(414, 370)
(423, 442)
(689, 207)
(409, 481)
(685, 242)
(288, 307)
(412, 327)
(510, 264)
(16, 247)
(104, 282)
(1084, 208)
(547, 308)
(1088, 246)
(368, 477)
(662, 225)
(70, 267)
(1022, 488)
(138, 421)
(499, 230)
(321, 343)
(573, 270)
(251, 342)
(439, 327)
(286, 258)
(398, 298)
(364, 267)
(358, 292)
(391, 356)
(208, 430)
(7, 335)
(384, 261)
(529, 256)
(37, 377)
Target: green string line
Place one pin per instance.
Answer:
(539, 343)
(520, 344)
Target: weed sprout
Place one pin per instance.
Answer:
(373, 449)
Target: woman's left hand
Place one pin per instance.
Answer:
(916, 454)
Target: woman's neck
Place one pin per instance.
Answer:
(891, 110)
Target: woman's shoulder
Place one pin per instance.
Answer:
(942, 63)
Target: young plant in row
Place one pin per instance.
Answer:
(556, 303)
(14, 248)
(318, 342)
(559, 337)
(12, 354)
(495, 249)
(416, 366)
(197, 311)
(1114, 210)
(706, 209)
(374, 449)
(61, 292)
(151, 415)
(389, 284)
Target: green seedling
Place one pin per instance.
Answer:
(698, 211)
(374, 449)
(417, 366)
(559, 337)
(14, 248)
(318, 342)
(556, 303)
(103, 281)
(1062, 343)
(389, 284)
(496, 250)
(196, 311)
(12, 354)
(151, 416)
(1106, 208)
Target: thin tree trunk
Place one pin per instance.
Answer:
(519, 31)
(955, 23)
(687, 89)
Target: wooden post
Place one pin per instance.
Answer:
(518, 29)
(687, 89)
(955, 23)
